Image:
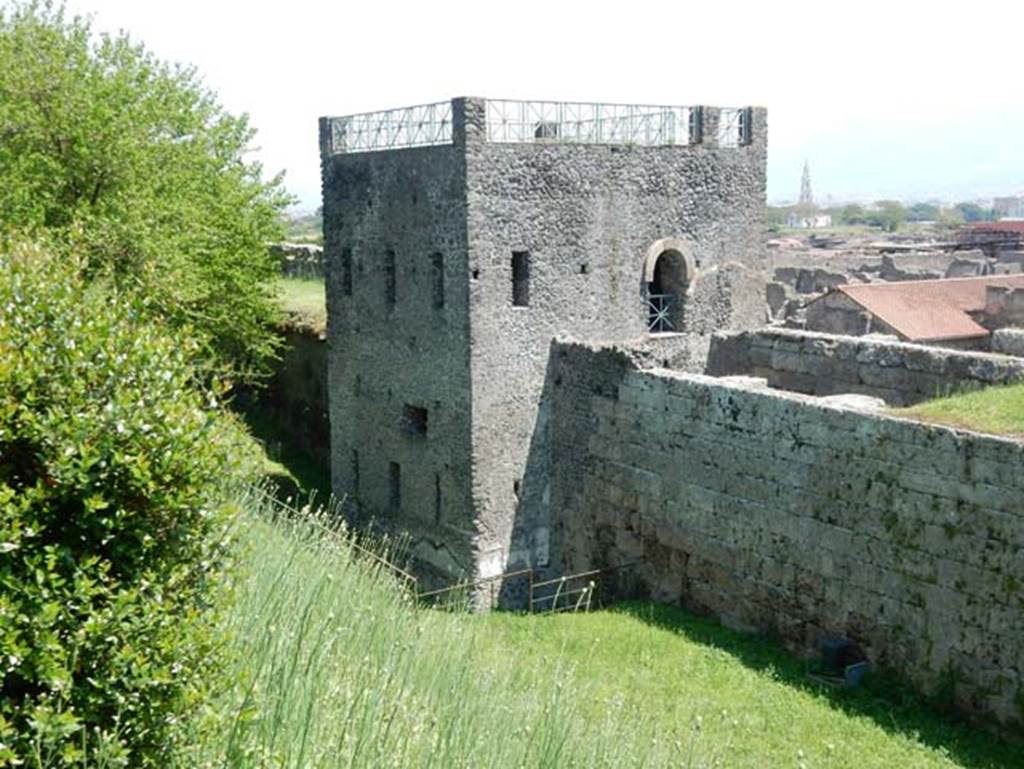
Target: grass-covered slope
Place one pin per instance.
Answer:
(303, 302)
(336, 666)
(998, 410)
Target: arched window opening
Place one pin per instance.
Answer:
(666, 291)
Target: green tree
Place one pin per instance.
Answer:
(972, 212)
(851, 213)
(887, 214)
(108, 152)
(923, 212)
(775, 216)
(115, 516)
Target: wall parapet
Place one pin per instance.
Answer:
(900, 373)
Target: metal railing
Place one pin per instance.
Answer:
(551, 595)
(733, 127)
(465, 589)
(563, 597)
(659, 312)
(419, 126)
(510, 121)
(513, 121)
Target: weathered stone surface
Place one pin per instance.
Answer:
(1008, 341)
(299, 260)
(800, 516)
(588, 216)
(825, 364)
(967, 268)
(776, 294)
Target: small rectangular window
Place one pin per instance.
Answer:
(520, 278)
(390, 278)
(394, 487)
(346, 271)
(437, 269)
(415, 420)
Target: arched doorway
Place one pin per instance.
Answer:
(669, 270)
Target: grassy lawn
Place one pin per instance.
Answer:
(998, 410)
(335, 665)
(303, 301)
(743, 700)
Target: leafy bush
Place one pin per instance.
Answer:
(133, 163)
(113, 522)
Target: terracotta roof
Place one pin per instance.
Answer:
(930, 310)
(1007, 226)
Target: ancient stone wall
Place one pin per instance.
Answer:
(821, 364)
(792, 515)
(1008, 341)
(295, 398)
(299, 260)
(398, 335)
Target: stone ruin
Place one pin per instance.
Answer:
(802, 269)
(299, 260)
(523, 298)
(461, 238)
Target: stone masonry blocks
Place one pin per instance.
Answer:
(791, 515)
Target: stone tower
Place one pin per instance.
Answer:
(460, 239)
(806, 196)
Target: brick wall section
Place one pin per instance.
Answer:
(783, 513)
(823, 364)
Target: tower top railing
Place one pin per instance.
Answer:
(508, 121)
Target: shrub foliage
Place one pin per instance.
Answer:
(112, 528)
(133, 163)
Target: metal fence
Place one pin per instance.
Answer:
(733, 127)
(418, 126)
(512, 121)
(585, 123)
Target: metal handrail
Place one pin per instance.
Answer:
(584, 592)
(474, 583)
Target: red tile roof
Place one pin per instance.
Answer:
(1007, 226)
(929, 310)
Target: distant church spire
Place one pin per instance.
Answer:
(806, 197)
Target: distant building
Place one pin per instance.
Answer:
(1009, 208)
(993, 237)
(798, 221)
(958, 312)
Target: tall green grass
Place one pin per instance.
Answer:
(335, 666)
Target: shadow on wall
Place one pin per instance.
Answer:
(891, 705)
(531, 538)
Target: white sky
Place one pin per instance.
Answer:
(900, 98)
